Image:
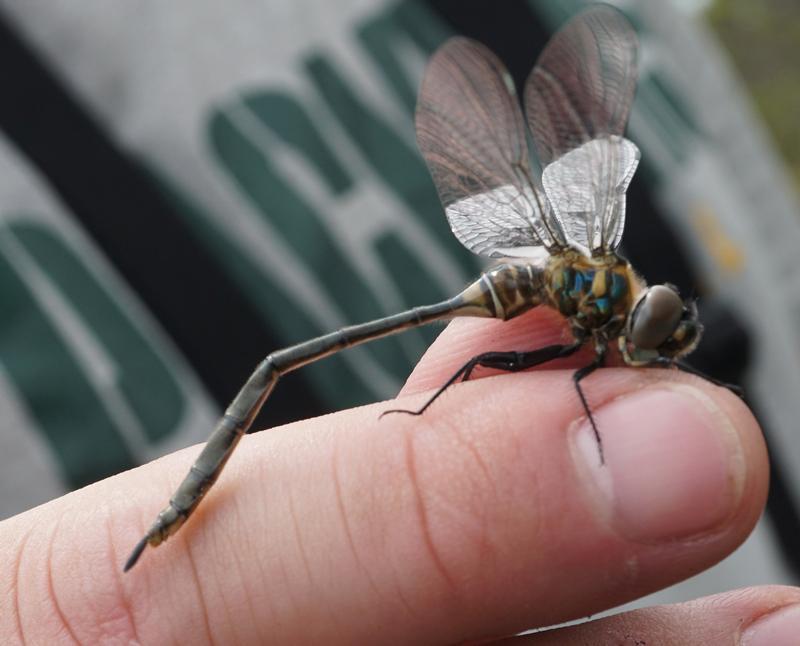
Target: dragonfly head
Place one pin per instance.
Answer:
(663, 323)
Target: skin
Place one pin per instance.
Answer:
(482, 518)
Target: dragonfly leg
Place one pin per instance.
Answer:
(577, 377)
(508, 361)
(665, 362)
(734, 388)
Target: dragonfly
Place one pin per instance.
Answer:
(551, 214)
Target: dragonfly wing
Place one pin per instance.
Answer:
(472, 135)
(581, 91)
(586, 188)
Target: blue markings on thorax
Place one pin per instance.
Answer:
(576, 284)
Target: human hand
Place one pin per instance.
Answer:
(487, 515)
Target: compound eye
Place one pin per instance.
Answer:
(656, 317)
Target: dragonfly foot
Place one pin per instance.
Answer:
(403, 410)
(577, 377)
(734, 388)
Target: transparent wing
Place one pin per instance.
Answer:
(471, 133)
(581, 91)
(586, 188)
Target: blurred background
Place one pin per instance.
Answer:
(761, 40)
(186, 186)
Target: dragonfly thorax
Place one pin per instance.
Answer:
(593, 293)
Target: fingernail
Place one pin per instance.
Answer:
(673, 468)
(779, 628)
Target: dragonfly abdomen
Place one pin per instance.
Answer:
(507, 290)
(482, 298)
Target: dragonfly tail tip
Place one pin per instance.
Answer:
(135, 554)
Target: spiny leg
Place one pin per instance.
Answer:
(577, 377)
(734, 388)
(463, 372)
(509, 361)
(664, 362)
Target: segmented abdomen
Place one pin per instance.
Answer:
(514, 289)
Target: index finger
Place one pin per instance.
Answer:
(487, 515)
